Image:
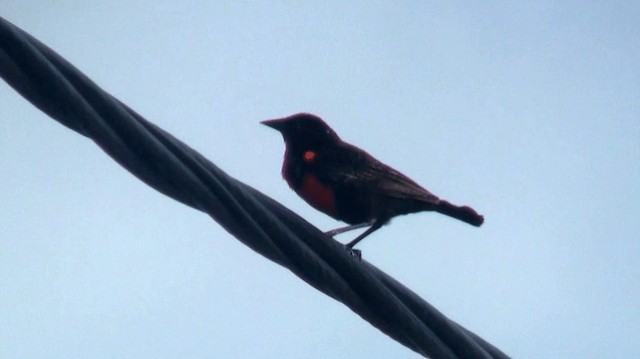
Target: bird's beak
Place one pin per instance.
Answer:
(277, 124)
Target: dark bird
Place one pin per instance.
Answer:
(347, 183)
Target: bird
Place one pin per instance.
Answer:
(348, 184)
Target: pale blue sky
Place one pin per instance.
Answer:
(528, 112)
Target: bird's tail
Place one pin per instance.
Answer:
(463, 213)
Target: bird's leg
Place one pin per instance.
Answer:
(374, 227)
(337, 231)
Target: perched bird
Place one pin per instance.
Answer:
(347, 183)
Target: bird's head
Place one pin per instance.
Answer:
(303, 130)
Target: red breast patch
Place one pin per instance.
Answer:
(318, 195)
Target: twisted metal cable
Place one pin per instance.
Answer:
(163, 162)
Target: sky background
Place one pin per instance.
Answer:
(528, 111)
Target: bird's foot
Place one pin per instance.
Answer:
(355, 253)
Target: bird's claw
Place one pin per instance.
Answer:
(355, 253)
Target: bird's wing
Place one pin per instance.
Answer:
(350, 167)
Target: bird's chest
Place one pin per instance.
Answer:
(301, 170)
